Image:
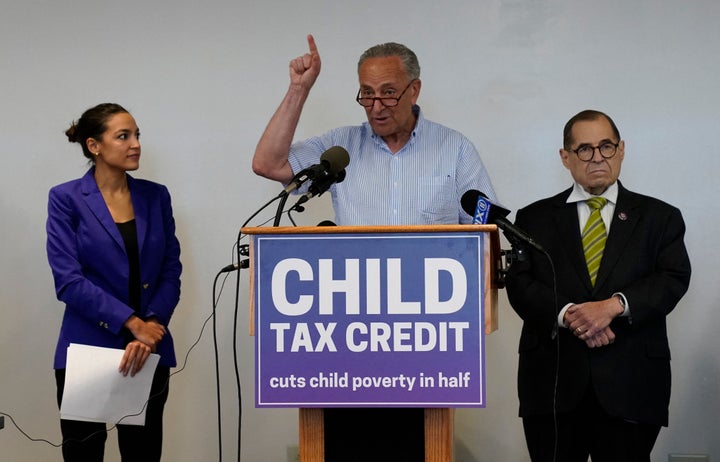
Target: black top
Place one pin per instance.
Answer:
(128, 230)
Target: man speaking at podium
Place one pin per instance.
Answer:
(403, 170)
(594, 371)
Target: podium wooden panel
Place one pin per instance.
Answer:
(439, 422)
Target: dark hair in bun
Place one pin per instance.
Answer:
(92, 124)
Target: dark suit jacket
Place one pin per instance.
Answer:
(88, 260)
(645, 259)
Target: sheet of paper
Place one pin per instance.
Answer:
(96, 392)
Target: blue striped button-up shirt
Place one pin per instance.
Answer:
(420, 184)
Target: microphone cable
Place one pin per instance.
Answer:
(518, 249)
(556, 336)
(114, 426)
(242, 250)
(242, 263)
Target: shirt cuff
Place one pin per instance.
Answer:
(624, 303)
(561, 315)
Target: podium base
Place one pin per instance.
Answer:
(377, 434)
(413, 434)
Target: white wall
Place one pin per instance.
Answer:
(203, 78)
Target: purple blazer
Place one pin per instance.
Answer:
(90, 267)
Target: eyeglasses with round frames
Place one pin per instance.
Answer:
(586, 152)
(387, 101)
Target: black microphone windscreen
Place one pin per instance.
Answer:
(340, 176)
(337, 159)
(326, 223)
(469, 201)
(496, 210)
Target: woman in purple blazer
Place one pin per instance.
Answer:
(116, 263)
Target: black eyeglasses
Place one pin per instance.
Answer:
(586, 152)
(387, 101)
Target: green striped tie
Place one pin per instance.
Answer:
(594, 237)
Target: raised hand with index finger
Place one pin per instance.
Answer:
(305, 69)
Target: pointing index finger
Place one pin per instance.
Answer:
(311, 45)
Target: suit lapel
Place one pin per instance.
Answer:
(624, 221)
(95, 202)
(568, 226)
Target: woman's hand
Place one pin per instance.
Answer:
(136, 353)
(147, 336)
(150, 333)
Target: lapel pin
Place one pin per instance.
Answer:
(622, 216)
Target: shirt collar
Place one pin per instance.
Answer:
(578, 194)
(418, 116)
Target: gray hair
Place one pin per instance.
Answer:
(384, 50)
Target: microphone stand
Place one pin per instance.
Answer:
(281, 205)
(241, 250)
(507, 258)
(317, 188)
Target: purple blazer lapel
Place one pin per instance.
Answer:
(95, 202)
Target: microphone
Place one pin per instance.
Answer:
(332, 162)
(245, 263)
(321, 185)
(326, 223)
(483, 211)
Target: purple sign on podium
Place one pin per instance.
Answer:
(369, 320)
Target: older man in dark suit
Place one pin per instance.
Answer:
(594, 370)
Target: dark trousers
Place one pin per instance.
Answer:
(374, 434)
(85, 441)
(588, 431)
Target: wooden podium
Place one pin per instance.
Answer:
(438, 422)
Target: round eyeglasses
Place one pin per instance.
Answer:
(387, 101)
(586, 152)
